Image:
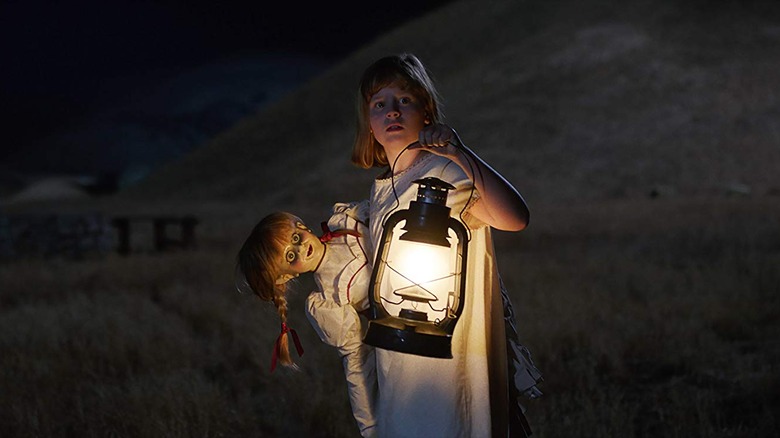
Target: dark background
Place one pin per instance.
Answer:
(92, 86)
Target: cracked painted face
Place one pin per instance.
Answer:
(302, 254)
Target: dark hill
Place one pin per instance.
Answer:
(571, 101)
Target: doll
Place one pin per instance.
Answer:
(279, 249)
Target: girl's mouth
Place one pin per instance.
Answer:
(394, 128)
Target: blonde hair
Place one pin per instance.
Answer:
(406, 71)
(258, 261)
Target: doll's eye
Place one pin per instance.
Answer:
(296, 238)
(290, 256)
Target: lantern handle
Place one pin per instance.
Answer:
(392, 181)
(460, 147)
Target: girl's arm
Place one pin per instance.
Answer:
(500, 205)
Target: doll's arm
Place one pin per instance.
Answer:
(358, 210)
(336, 325)
(340, 326)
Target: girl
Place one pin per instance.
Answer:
(281, 248)
(399, 129)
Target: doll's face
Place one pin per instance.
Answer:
(396, 116)
(302, 253)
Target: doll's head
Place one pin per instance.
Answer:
(406, 72)
(259, 257)
(279, 248)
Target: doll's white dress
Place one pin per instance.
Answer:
(429, 397)
(342, 279)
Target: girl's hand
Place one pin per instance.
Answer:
(500, 205)
(438, 139)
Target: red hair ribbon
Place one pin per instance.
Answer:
(328, 234)
(278, 345)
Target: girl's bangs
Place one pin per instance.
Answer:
(385, 78)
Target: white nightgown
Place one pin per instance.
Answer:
(430, 397)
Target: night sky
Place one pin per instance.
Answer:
(64, 62)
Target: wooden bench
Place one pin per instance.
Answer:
(162, 242)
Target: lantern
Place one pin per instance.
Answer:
(418, 283)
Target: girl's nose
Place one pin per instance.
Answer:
(393, 110)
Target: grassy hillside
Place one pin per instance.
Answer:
(579, 100)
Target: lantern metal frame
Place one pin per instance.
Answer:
(428, 221)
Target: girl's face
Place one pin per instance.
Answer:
(396, 116)
(302, 253)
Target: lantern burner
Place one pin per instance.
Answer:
(415, 315)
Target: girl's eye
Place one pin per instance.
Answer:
(290, 256)
(296, 238)
(379, 105)
(405, 100)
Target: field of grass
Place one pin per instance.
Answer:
(647, 318)
(654, 318)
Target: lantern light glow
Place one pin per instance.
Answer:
(419, 274)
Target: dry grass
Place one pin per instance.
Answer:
(153, 345)
(648, 327)
(648, 318)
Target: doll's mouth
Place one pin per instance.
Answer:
(311, 250)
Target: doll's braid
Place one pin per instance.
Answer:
(284, 345)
